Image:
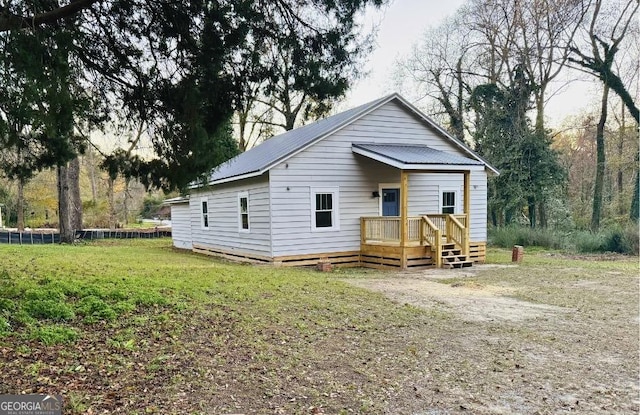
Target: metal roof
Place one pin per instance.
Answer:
(414, 154)
(261, 158)
(176, 200)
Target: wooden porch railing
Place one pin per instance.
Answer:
(380, 228)
(429, 229)
(433, 236)
(457, 232)
(387, 229)
(440, 220)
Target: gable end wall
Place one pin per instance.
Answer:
(331, 163)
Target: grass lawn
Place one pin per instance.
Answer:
(135, 326)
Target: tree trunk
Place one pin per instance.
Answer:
(125, 203)
(112, 204)
(73, 171)
(531, 202)
(634, 215)
(92, 175)
(619, 178)
(542, 215)
(20, 206)
(600, 162)
(67, 235)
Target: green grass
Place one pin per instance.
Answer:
(140, 313)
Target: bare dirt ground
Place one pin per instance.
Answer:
(559, 337)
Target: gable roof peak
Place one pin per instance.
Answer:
(272, 151)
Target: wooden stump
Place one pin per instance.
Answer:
(517, 253)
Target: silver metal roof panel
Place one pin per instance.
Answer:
(417, 154)
(262, 157)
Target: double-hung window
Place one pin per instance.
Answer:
(324, 205)
(204, 213)
(243, 212)
(448, 202)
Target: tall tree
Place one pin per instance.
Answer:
(606, 31)
(506, 138)
(438, 71)
(604, 37)
(168, 64)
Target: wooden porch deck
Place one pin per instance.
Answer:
(430, 240)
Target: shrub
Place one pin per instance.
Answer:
(45, 293)
(632, 239)
(508, 236)
(94, 309)
(5, 327)
(7, 305)
(616, 239)
(50, 335)
(49, 309)
(586, 242)
(123, 307)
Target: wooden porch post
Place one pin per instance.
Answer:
(467, 208)
(467, 193)
(404, 210)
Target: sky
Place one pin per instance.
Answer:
(401, 25)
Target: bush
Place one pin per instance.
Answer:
(45, 293)
(5, 327)
(49, 309)
(50, 335)
(617, 239)
(7, 305)
(94, 309)
(508, 236)
(586, 242)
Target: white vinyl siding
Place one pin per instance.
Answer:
(181, 226)
(330, 162)
(223, 232)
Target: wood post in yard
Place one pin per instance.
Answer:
(517, 253)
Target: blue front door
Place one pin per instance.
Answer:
(390, 202)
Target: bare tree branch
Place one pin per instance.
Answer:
(9, 21)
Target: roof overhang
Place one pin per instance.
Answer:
(405, 158)
(176, 201)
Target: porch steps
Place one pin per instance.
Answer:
(452, 257)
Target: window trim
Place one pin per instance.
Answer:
(456, 192)
(243, 195)
(335, 211)
(204, 215)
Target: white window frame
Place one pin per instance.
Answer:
(335, 211)
(243, 195)
(381, 197)
(204, 215)
(456, 191)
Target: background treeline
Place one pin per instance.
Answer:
(488, 73)
(106, 203)
(186, 86)
(155, 87)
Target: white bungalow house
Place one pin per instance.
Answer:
(380, 185)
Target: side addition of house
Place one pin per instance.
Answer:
(380, 185)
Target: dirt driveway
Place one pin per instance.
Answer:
(560, 336)
(470, 300)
